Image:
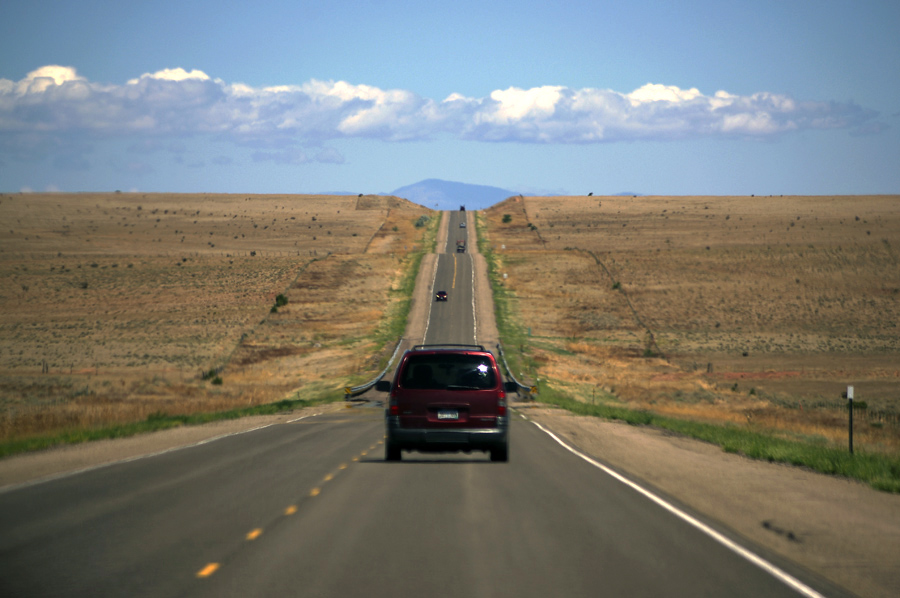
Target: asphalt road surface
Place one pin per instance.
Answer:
(309, 508)
(453, 321)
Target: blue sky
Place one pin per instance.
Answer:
(654, 97)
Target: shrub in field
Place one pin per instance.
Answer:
(280, 301)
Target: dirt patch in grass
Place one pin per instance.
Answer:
(754, 310)
(118, 306)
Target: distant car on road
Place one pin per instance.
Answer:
(441, 296)
(462, 224)
(447, 398)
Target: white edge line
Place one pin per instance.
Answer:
(59, 476)
(290, 421)
(431, 297)
(757, 560)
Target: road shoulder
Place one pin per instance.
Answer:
(40, 466)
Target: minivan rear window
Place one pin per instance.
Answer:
(448, 371)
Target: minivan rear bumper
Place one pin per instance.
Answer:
(446, 440)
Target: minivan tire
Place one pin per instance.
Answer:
(392, 453)
(500, 454)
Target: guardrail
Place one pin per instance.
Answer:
(529, 390)
(353, 391)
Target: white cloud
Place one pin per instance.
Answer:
(54, 102)
(38, 81)
(178, 74)
(652, 92)
(513, 104)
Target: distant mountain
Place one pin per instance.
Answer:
(447, 195)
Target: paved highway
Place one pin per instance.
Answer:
(309, 508)
(453, 321)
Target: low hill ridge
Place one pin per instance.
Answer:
(449, 195)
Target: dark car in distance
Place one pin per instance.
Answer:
(447, 398)
(440, 296)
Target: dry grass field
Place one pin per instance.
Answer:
(754, 310)
(119, 306)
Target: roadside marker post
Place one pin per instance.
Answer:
(850, 405)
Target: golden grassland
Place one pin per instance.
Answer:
(752, 310)
(119, 306)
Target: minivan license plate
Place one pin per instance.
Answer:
(448, 414)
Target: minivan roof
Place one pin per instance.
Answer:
(448, 346)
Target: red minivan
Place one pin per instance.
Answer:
(447, 398)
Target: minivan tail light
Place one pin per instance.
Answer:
(501, 407)
(393, 407)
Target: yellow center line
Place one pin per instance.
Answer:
(207, 570)
(254, 534)
(290, 510)
(453, 286)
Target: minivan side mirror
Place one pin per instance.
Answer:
(511, 387)
(383, 386)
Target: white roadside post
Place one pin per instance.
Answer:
(850, 404)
